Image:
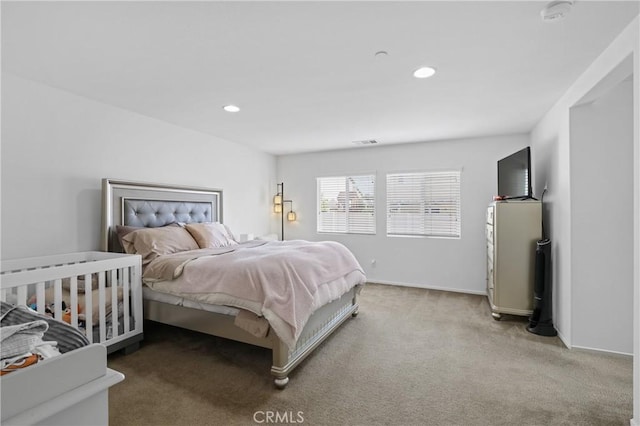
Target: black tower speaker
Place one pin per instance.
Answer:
(540, 321)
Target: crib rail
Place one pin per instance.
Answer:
(108, 285)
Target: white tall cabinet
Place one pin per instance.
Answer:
(513, 229)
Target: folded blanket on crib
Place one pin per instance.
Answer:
(68, 338)
(22, 338)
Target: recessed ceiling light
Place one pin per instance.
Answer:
(424, 72)
(231, 108)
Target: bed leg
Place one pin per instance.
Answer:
(280, 369)
(281, 383)
(355, 313)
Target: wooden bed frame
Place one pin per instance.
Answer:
(169, 203)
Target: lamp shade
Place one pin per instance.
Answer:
(277, 199)
(277, 208)
(291, 216)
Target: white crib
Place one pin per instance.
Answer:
(104, 277)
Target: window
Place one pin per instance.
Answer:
(346, 204)
(424, 204)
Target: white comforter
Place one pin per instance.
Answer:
(284, 281)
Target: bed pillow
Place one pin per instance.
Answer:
(230, 234)
(122, 230)
(210, 234)
(153, 242)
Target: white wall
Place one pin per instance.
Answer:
(450, 264)
(551, 146)
(601, 155)
(56, 148)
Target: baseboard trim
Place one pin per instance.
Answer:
(428, 287)
(482, 293)
(563, 339)
(602, 351)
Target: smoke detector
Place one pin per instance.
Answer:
(556, 11)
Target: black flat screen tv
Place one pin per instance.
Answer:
(514, 175)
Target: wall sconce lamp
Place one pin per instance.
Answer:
(278, 207)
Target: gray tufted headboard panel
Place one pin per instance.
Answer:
(151, 205)
(154, 213)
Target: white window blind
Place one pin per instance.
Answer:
(424, 204)
(346, 204)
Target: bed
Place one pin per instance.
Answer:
(130, 206)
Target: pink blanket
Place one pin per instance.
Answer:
(284, 281)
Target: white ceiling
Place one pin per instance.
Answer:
(305, 73)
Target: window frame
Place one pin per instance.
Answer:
(348, 229)
(426, 231)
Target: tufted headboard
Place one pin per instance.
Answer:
(151, 205)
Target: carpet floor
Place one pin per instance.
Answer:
(411, 357)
